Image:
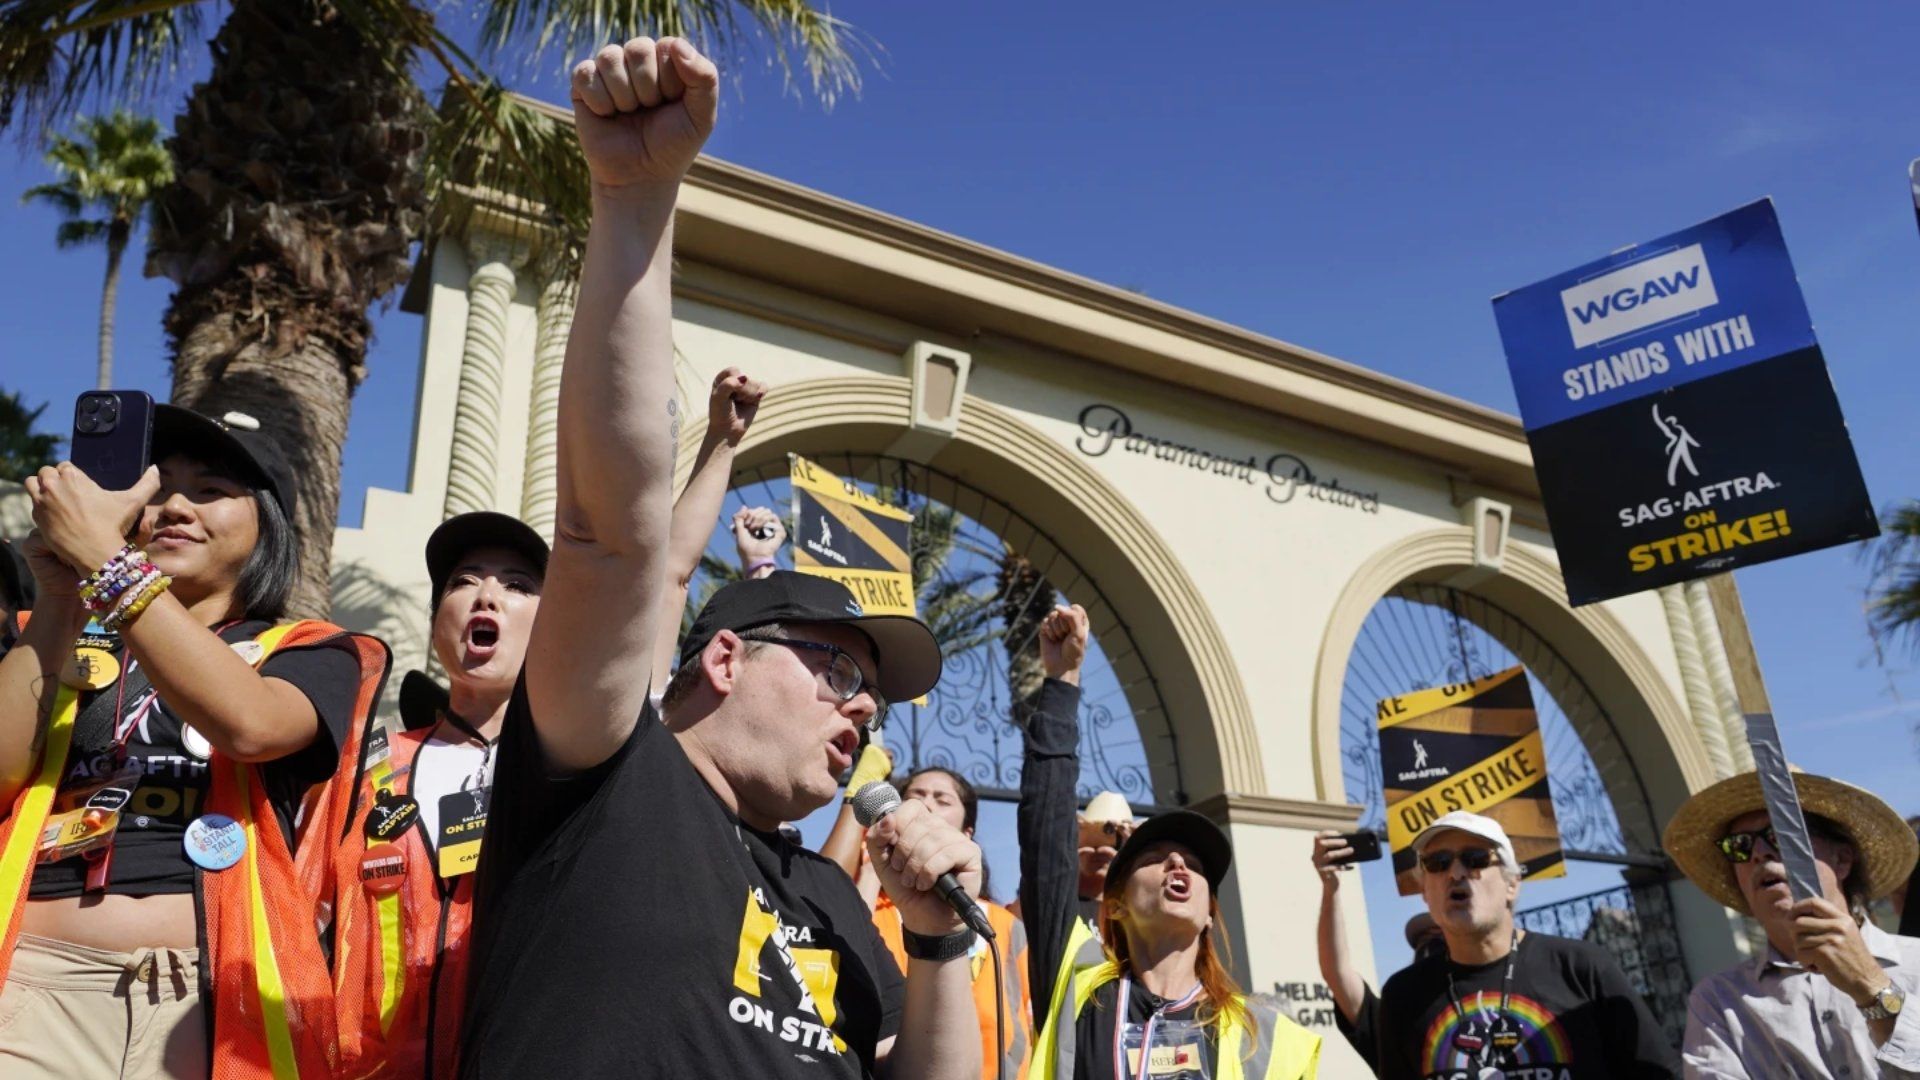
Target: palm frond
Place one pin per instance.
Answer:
(80, 233)
(62, 197)
(1893, 583)
(798, 33)
(57, 54)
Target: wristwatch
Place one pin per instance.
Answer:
(1885, 1003)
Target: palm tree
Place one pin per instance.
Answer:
(309, 163)
(1893, 590)
(23, 451)
(113, 168)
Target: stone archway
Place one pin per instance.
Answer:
(998, 453)
(1666, 759)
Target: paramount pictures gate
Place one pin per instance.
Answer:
(1264, 534)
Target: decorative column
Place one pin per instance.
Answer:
(476, 417)
(1701, 703)
(539, 484)
(1713, 649)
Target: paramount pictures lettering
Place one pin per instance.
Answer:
(1285, 475)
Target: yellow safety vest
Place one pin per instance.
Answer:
(1282, 1049)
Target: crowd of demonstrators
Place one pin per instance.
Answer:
(1500, 996)
(1357, 1007)
(1149, 993)
(1826, 997)
(749, 957)
(158, 737)
(578, 857)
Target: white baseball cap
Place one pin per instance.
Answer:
(1473, 825)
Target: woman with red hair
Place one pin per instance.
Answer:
(1150, 994)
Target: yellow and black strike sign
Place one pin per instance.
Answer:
(1470, 746)
(844, 533)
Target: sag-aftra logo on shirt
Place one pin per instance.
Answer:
(786, 987)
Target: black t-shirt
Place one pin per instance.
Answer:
(626, 924)
(1187, 1047)
(1363, 1032)
(1576, 1016)
(148, 856)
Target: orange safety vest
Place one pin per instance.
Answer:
(272, 1003)
(1011, 935)
(400, 958)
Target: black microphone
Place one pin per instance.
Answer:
(878, 799)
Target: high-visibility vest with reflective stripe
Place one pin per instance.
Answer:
(272, 1001)
(1012, 937)
(1277, 1048)
(400, 967)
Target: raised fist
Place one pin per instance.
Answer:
(643, 110)
(1063, 643)
(732, 405)
(757, 534)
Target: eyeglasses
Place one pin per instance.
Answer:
(1738, 846)
(843, 673)
(1473, 858)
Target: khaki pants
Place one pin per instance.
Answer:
(73, 1013)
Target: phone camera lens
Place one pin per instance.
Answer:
(90, 405)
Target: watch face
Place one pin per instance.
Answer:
(1891, 999)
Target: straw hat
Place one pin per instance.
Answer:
(1883, 842)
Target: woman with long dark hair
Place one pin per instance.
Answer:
(159, 734)
(1146, 991)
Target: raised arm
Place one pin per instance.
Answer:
(1336, 960)
(1049, 835)
(642, 111)
(730, 408)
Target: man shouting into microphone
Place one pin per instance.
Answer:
(637, 912)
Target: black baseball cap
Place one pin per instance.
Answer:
(1194, 831)
(463, 533)
(17, 586)
(907, 654)
(234, 440)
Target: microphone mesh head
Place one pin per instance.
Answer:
(874, 801)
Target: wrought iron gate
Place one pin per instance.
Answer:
(985, 576)
(1423, 635)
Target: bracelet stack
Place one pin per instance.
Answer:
(122, 588)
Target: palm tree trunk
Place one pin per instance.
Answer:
(298, 197)
(1025, 597)
(117, 236)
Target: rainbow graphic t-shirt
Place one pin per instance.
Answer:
(1570, 1014)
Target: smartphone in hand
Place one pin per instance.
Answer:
(112, 436)
(1365, 845)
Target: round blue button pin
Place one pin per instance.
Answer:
(215, 842)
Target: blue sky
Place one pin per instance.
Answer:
(1358, 179)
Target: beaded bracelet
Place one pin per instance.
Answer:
(111, 570)
(148, 593)
(119, 591)
(130, 594)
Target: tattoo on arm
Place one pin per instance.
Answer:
(673, 419)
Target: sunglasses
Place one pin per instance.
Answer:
(1737, 847)
(1473, 858)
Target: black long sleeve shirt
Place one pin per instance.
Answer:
(1049, 836)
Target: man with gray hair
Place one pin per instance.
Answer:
(1502, 1002)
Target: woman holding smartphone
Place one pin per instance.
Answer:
(158, 735)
